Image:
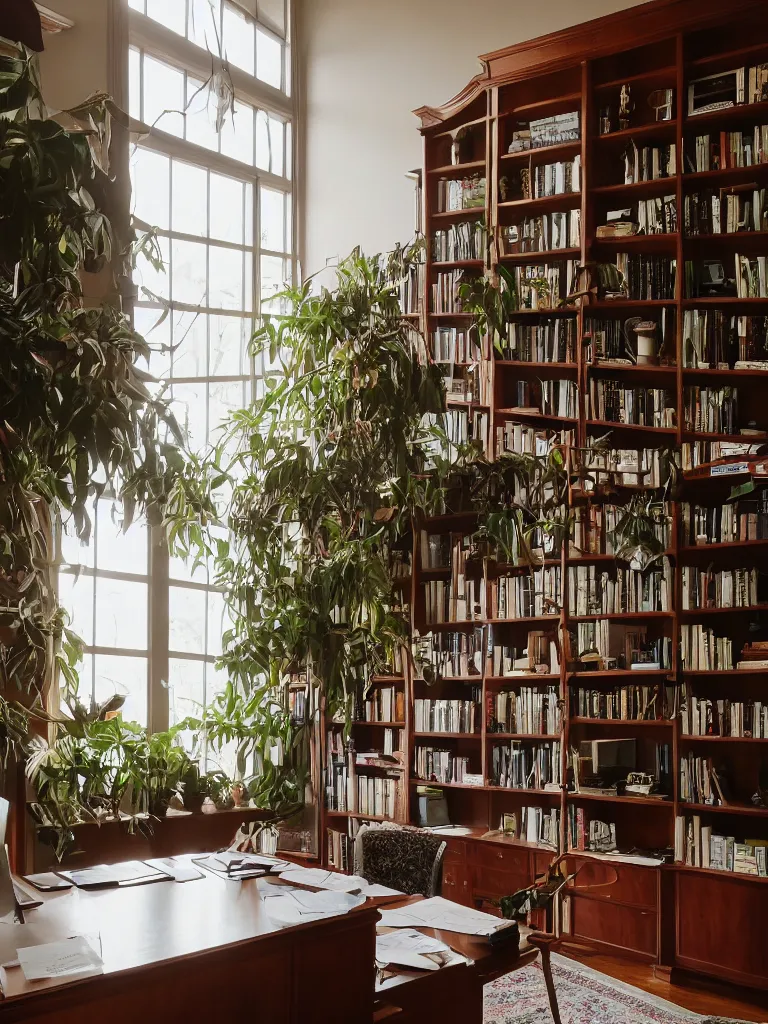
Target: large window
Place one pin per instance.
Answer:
(212, 176)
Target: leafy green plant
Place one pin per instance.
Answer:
(77, 412)
(492, 303)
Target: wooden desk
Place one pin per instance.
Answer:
(453, 993)
(201, 951)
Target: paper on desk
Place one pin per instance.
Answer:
(444, 914)
(179, 870)
(320, 879)
(410, 939)
(72, 957)
(297, 906)
(380, 890)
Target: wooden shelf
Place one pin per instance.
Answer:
(549, 154)
(634, 427)
(388, 725)
(545, 256)
(637, 189)
(492, 736)
(721, 739)
(757, 112)
(643, 801)
(563, 200)
(473, 211)
(520, 364)
(624, 673)
(449, 735)
(653, 723)
(358, 814)
(529, 415)
(458, 170)
(528, 679)
(755, 812)
(739, 876)
(446, 785)
(663, 130)
(724, 611)
(622, 616)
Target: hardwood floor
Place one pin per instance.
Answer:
(697, 994)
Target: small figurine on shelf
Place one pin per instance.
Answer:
(239, 795)
(626, 106)
(606, 126)
(457, 138)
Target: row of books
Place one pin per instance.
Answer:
(647, 277)
(602, 644)
(726, 524)
(469, 383)
(552, 340)
(534, 710)
(728, 89)
(648, 163)
(435, 765)
(465, 425)
(711, 410)
(526, 765)
(459, 716)
(462, 600)
(698, 846)
(528, 595)
(730, 149)
(559, 230)
(714, 339)
(595, 835)
(593, 526)
(538, 825)
(411, 290)
(700, 783)
(550, 397)
(377, 796)
(460, 653)
(455, 345)
(553, 130)
(656, 216)
(642, 467)
(593, 591)
(703, 651)
(543, 286)
(445, 295)
(341, 850)
(628, 703)
(719, 588)
(463, 241)
(701, 716)
(709, 213)
(615, 402)
(379, 704)
(526, 440)
(561, 178)
(461, 194)
(751, 282)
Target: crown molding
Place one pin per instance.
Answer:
(52, 21)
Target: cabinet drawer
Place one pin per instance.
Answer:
(634, 884)
(510, 858)
(627, 927)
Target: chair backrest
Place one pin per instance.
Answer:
(402, 859)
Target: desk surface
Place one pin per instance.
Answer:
(144, 926)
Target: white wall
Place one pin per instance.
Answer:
(366, 65)
(74, 62)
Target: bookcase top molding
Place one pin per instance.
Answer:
(636, 26)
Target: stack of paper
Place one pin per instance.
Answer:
(68, 958)
(441, 913)
(288, 906)
(318, 878)
(408, 948)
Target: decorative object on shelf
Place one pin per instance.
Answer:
(645, 347)
(605, 123)
(661, 101)
(626, 107)
(458, 137)
(209, 807)
(239, 795)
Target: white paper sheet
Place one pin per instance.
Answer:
(67, 958)
(410, 939)
(380, 890)
(320, 879)
(441, 913)
(297, 906)
(180, 870)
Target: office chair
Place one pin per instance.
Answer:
(403, 859)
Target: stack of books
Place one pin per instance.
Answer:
(751, 282)
(459, 716)
(532, 711)
(614, 402)
(463, 241)
(526, 765)
(593, 526)
(435, 765)
(451, 654)
(648, 163)
(545, 285)
(593, 591)
(622, 703)
(698, 846)
(703, 651)
(647, 277)
(731, 149)
(712, 410)
(726, 524)
(528, 595)
(559, 230)
(454, 345)
(539, 656)
(445, 297)
(723, 588)
(701, 716)
(460, 194)
(754, 656)
(700, 782)
(551, 340)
